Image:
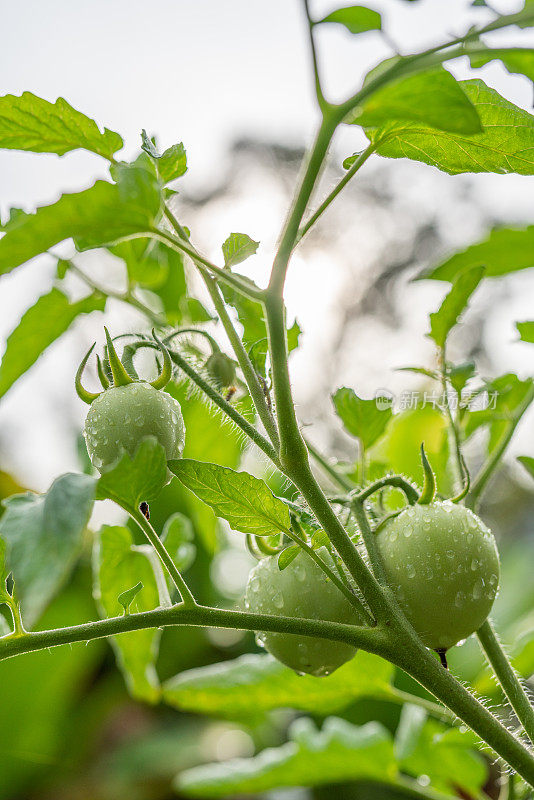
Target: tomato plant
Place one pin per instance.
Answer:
(362, 572)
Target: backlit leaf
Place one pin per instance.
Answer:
(361, 418)
(445, 318)
(237, 248)
(505, 145)
(95, 217)
(31, 123)
(245, 502)
(505, 250)
(41, 324)
(433, 98)
(357, 19)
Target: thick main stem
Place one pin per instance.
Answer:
(417, 661)
(506, 676)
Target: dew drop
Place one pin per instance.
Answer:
(474, 564)
(254, 584)
(408, 532)
(393, 536)
(478, 589)
(278, 600)
(410, 570)
(450, 554)
(459, 600)
(299, 572)
(260, 639)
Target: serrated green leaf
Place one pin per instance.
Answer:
(42, 324)
(171, 164)
(505, 145)
(340, 752)
(433, 98)
(361, 418)
(126, 598)
(445, 318)
(245, 502)
(95, 217)
(237, 248)
(505, 250)
(254, 684)
(132, 480)
(43, 535)
(357, 19)
(526, 331)
(116, 566)
(517, 60)
(31, 123)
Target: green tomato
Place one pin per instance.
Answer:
(301, 590)
(441, 562)
(221, 369)
(123, 415)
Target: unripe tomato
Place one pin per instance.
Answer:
(441, 562)
(123, 415)
(301, 590)
(221, 369)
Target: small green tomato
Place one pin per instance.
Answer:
(128, 411)
(221, 369)
(301, 590)
(442, 563)
(121, 416)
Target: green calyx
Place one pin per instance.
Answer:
(429, 484)
(119, 374)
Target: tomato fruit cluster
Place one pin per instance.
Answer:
(302, 590)
(442, 564)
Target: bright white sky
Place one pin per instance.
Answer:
(204, 72)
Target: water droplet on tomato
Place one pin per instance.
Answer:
(459, 600)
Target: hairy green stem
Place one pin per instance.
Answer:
(185, 592)
(350, 173)
(410, 655)
(351, 597)
(393, 481)
(370, 540)
(123, 297)
(225, 275)
(253, 434)
(495, 457)
(370, 639)
(247, 368)
(311, 170)
(507, 677)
